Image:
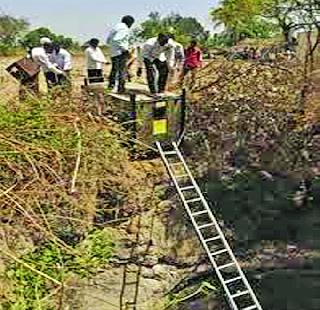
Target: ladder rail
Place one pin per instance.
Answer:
(198, 230)
(171, 173)
(224, 240)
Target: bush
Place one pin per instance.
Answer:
(31, 290)
(32, 39)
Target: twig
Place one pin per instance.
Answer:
(4, 193)
(77, 167)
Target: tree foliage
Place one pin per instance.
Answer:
(184, 28)
(32, 38)
(11, 28)
(257, 18)
(241, 19)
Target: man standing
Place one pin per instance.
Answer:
(119, 43)
(95, 62)
(157, 53)
(193, 58)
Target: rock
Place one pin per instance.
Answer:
(197, 305)
(124, 254)
(147, 273)
(161, 271)
(165, 205)
(202, 268)
(265, 257)
(140, 251)
(156, 285)
(133, 227)
(150, 261)
(268, 251)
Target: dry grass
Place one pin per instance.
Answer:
(62, 171)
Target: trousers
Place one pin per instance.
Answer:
(163, 73)
(119, 71)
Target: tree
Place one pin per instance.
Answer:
(11, 28)
(32, 39)
(243, 19)
(262, 18)
(184, 28)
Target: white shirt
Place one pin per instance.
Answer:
(118, 39)
(40, 56)
(63, 60)
(94, 58)
(178, 54)
(152, 50)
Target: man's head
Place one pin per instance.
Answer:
(163, 39)
(193, 43)
(128, 20)
(94, 42)
(45, 40)
(48, 47)
(56, 47)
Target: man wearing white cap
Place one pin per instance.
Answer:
(45, 40)
(40, 55)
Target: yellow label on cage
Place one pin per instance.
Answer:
(160, 127)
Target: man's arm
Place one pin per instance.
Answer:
(170, 55)
(144, 51)
(121, 38)
(109, 37)
(45, 61)
(200, 58)
(67, 61)
(96, 56)
(183, 55)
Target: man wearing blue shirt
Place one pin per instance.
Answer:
(118, 40)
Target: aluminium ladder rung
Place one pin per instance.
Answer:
(187, 188)
(200, 213)
(240, 294)
(219, 252)
(226, 266)
(170, 153)
(205, 226)
(132, 283)
(232, 280)
(176, 164)
(193, 200)
(181, 176)
(212, 239)
(251, 307)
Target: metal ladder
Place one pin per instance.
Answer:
(240, 295)
(134, 282)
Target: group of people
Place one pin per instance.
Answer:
(54, 61)
(162, 57)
